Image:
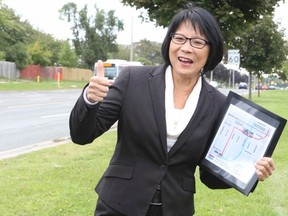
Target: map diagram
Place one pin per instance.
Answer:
(241, 140)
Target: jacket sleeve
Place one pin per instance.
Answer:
(81, 121)
(87, 122)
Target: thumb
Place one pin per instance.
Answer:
(100, 69)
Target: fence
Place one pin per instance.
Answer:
(77, 74)
(34, 72)
(9, 70)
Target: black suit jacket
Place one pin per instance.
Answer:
(141, 162)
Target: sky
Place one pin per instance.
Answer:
(44, 16)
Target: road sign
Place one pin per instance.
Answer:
(234, 57)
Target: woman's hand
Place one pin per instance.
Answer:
(264, 168)
(98, 86)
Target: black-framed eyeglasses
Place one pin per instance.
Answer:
(198, 43)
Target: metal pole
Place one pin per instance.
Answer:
(211, 75)
(229, 81)
(250, 85)
(233, 79)
(131, 46)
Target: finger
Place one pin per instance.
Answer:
(100, 69)
(93, 96)
(97, 89)
(267, 162)
(264, 168)
(260, 175)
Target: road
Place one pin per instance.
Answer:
(30, 117)
(31, 120)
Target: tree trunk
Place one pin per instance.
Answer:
(258, 79)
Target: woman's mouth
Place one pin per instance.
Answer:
(185, 60)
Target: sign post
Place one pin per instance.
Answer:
(234, 59)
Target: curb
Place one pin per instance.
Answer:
(38, 146)
(34, 147)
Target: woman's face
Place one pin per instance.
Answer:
(186, 60)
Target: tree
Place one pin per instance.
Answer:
(67, 56)
(261, 48)
(283, 72)
(94, 37)
(17, 53)
(123, 53)
(233, 15)
(13, 37)
(220, 73)
(236, 18)
(147, 52)
(12, 30)
(22, 44)
(39, 54)
(144, 51)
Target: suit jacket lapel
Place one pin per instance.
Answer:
(157, 91)
(203, 104)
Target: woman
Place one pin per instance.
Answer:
(166, 115)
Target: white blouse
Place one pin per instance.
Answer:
(177, 119)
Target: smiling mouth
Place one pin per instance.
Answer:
(185, 60)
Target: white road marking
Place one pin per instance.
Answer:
(56, 115)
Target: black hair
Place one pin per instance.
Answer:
(207, 25)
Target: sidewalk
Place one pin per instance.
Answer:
(35, 147)
(38, 146)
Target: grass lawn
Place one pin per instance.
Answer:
(60, 181)
(8, 85)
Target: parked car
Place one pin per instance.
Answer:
(243, 85)
(264, 87)
(272, 87)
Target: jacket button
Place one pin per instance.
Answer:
(163, 167)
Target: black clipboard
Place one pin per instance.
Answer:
(245, 133)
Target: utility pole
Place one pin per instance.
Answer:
(131, 45)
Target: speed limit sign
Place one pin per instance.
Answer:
(234, 57)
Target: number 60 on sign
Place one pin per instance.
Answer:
(234, 57)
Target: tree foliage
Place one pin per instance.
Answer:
(246, 25)
(17, 53)
(67, 56)
(13, 36)
(94, 36)
(262, 47)
(233, 15)
(122, 53)
(24, 45)
(283, 72)
(147, 52)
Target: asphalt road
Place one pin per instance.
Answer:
(33, 117)
(31, 120)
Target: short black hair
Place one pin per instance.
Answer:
(207, 25)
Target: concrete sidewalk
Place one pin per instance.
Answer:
(38, 146)
(35, 147)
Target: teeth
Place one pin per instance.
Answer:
(185, 60)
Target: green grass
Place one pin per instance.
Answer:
(54, 181)
(8, 85)
(271, 196)
(60, 181)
